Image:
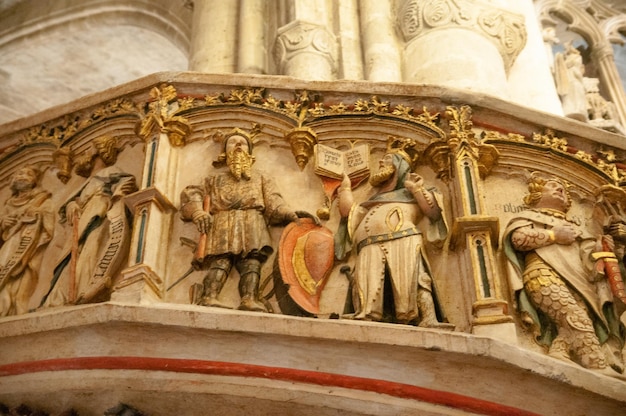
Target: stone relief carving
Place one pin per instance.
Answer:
(27, 225)
(504, 29)
(560, 291)
(383, 232)
(100, 230)
(297, 124)
(231, 211)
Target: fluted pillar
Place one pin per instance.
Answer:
(305, 47)
(214, 36)
(461, 44)
(382, 59)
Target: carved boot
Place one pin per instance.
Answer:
(213, 284)
(428, 316)
(249, 291)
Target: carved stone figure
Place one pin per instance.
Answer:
(601, 113)
(391, 271)
(232, 211)
(568, 72)
(561, 294)
(27, 225)
(100, 230)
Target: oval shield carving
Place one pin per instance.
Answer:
(305, 258)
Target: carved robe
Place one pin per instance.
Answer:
(103, 239)
(22, 248)
(241, 212)
(389, 243)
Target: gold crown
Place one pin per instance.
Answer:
(405, 147)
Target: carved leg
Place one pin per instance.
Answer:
(214, 282)
(428, 316)
(250, 276)
(576, 333)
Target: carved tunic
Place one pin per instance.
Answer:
(388, 240)
(22, 247)
(241, 211)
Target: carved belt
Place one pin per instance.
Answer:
(381, 238)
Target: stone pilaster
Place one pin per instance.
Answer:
(163, 131)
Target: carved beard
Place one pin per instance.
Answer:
(383, 175)
(240, 164)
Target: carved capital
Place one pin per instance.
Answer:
(300, 37)
(504, 29)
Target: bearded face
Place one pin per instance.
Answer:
(23, 180)
(240, 163)
(385, 172)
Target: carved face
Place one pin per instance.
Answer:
(554, 195)
(385, 172)
(237, 142)
(23, 179)
(238, 158)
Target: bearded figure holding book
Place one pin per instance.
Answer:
(392, 281)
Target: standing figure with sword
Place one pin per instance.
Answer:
(232, 211)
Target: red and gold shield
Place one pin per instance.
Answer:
(305, 258)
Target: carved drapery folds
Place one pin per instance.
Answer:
(504, 29)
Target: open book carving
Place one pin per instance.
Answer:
(332, 163)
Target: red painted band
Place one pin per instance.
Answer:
(400, 390)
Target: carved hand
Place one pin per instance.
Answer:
(72, 212)
(413, 182)
(565, 234)
(9, 221)
(618, 231)
(202, 220)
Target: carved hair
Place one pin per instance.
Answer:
(221, 159)
(106, 147)
(536, 184)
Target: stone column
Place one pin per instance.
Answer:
(530, 81)
(214, 36)
(461, 44)
(252, 49)
(351, 60)
(305, 47)
(380, 45)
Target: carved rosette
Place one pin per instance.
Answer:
(504, 29)
(303, 37)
